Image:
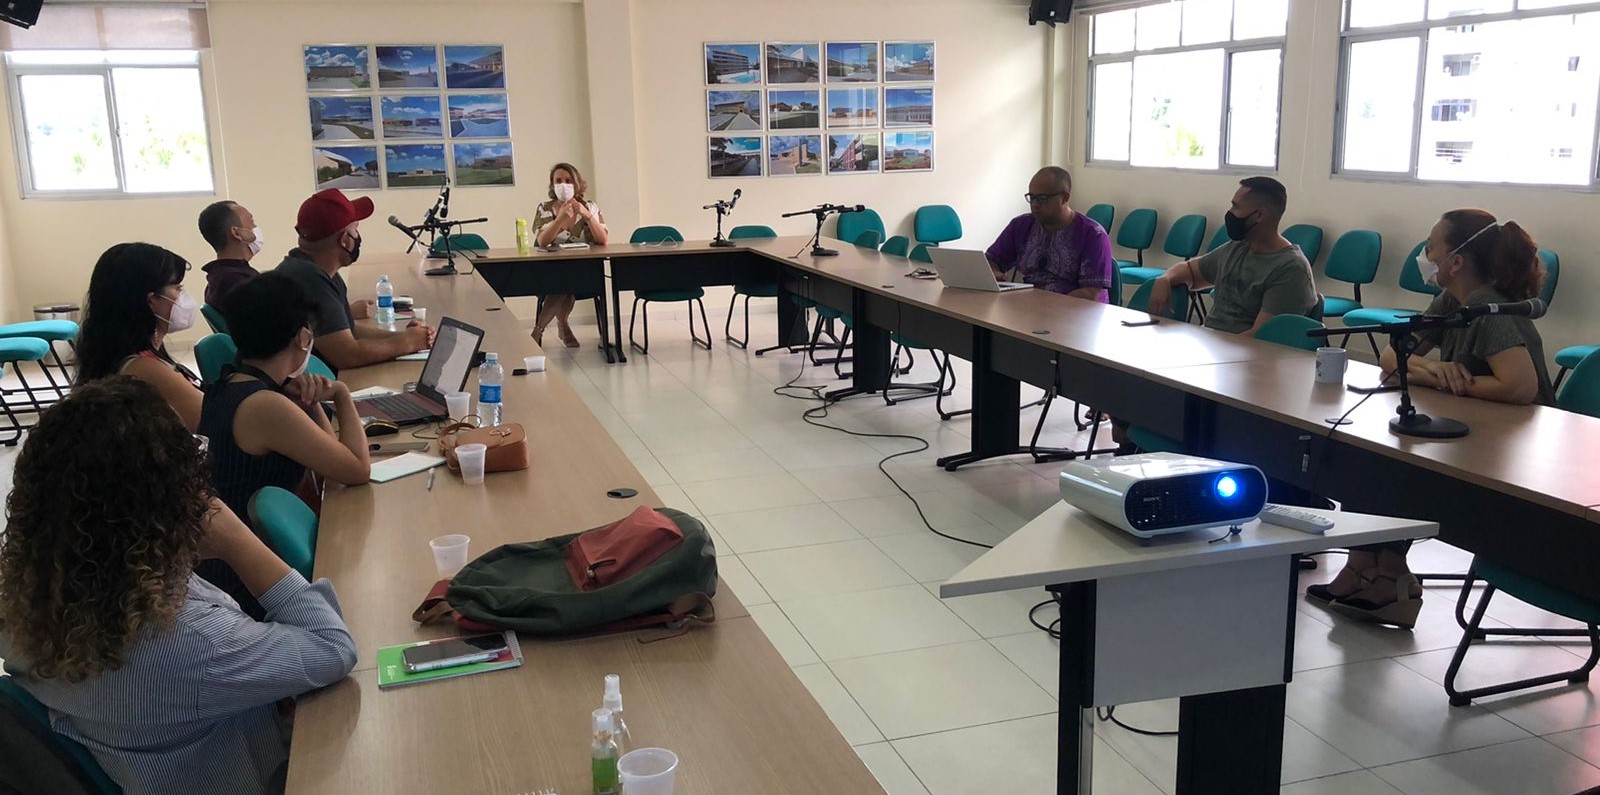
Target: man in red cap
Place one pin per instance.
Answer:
(329, 241)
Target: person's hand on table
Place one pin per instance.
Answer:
(1452, 377)
(310, 389)
(432, 332)
(361, 308)
(1160, 297)
(419, 336)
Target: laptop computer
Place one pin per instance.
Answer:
(969, 270)
(455, 345)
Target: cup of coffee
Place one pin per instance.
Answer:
(1331, 365)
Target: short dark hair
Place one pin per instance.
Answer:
(1269, 192)
(265, 314)
(1061, 175)
(215, 221)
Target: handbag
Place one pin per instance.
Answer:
(508, 445)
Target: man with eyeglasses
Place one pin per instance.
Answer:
(1053, 247)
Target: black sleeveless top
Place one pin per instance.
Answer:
(235, 474)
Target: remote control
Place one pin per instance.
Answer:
(1296, 519)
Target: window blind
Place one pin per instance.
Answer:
(122, 26)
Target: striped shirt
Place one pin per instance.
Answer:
(195, 710)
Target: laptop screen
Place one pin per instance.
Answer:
(451, 357)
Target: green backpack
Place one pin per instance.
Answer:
(648, 569)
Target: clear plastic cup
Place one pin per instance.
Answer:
(458, 404)
(450, 553)
(648, 771)
(472, 458)
(533, 364)
(419, 314)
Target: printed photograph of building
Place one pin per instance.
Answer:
(853, 62)
(412, 117)
(734, 157)
(484, 164)
(733, 110)
(346, 167)
(794, 110)
(794, 63)
(415, 165)
(479, 116)
(908, 107)
(474, 67)
(852, 107)
(908, 151)
(341, 119)
(408, 67)
(335, 68)
(853, 154)
(907, 61)
(794, 154)
(738, 64)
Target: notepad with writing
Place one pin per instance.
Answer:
(392, 665)
(402, 465)
(419, 356)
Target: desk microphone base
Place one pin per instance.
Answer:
(819, 251)
(721, 243)
(1425, 427)
(448, 269)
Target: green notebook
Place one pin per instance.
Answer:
(392, 667)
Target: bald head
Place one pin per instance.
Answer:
(1057, 176)
(1048, 194)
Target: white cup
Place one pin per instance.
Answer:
(533, 364)
(458, 404)
(1331, 365)
(450, 553)
(472, 458)
(648, 771)
(420, 314)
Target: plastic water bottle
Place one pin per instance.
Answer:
(385, 313)
(490, 376)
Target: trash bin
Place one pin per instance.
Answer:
(60, 311)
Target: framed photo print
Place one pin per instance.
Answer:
(852, 61)
(733, 111)
(733, 64)
(794, 155)
(414, 66)
(794, 109)
(855, 153)
(417, 116)
(341, 119)
(853, 107)
(908, 107)
(346, 167)
(484, 164)
(908, 151)
(470, 67)
(337, 67)
(479, 116)
(794, 62)
(908, 62)
(415, 165)
(738, 156)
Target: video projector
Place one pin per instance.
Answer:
(1155, 494)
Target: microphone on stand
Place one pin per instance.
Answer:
(737, 192)
(1533, 309)
(723, 208)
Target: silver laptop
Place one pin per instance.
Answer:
(969, 270)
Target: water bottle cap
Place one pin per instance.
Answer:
(491, 356)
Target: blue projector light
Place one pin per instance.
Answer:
(1227, 487)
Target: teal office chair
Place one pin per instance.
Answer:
(214, 319)
(693, 296)
(864, 229)
(1140, 302)
(1218, 238)
(14, 351)
(936, 223)
(289, 526)
(35, 759)
(1552, 275)
(1102, 214)
(1581, 394)
(897, 246)
(1183, 241)
(1308, 237)
(1354, 261)
(920, 253)
(318, 367)
(944, 385)
(1138, 233)
(211, 353)
(466, 241)
(53, 332)
(1411, 281)
(747, 291)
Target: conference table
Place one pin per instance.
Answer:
(718, 695)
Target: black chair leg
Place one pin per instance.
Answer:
(799, 323)
(1461, 698)
(1560, 376)
(1373, 341)
(634, 315)
(949, 371)
(704, 343)
(838, 354)
(727, 326)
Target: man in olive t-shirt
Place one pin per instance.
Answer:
(1257, 275)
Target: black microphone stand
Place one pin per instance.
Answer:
(816, 238)
(1408, 421)
(722, 208)
(439, 233)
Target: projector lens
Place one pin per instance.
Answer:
(1227, 487)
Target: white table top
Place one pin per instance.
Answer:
(1065, 544)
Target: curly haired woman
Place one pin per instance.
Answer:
(155, 671)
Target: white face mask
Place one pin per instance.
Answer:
(1430, 269)
(565, 191)
(255, 245)
(301, 370)
(181, 317)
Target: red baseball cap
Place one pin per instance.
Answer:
(328, 212)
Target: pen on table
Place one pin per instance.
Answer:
(430, 479)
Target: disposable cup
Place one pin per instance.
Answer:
(533, 364)
(458, 404)
(450, 553)
(420, 314)
(472, 458)
(648, 771)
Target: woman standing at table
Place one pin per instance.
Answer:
(1477, 260)
(569, 217)
(136, 298)
(151, 668)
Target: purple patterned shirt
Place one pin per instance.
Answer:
(1068, 259)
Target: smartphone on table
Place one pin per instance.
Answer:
(454, 652)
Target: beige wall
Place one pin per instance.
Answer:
(262, 147)
(1402, 212)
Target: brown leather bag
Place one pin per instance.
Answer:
(508, 445)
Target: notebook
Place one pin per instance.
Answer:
(392, 667)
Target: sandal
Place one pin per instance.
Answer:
(568, 338)
(1400, 612)
(538, 336)
(1325, 594)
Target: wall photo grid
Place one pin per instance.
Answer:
(799, 108)
(408, 115)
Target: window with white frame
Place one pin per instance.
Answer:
(1470, 90)
(1189, 84)
(107, 123)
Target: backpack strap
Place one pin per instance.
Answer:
(435, 606)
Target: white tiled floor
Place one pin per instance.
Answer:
(957, 697)
(950, 697)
